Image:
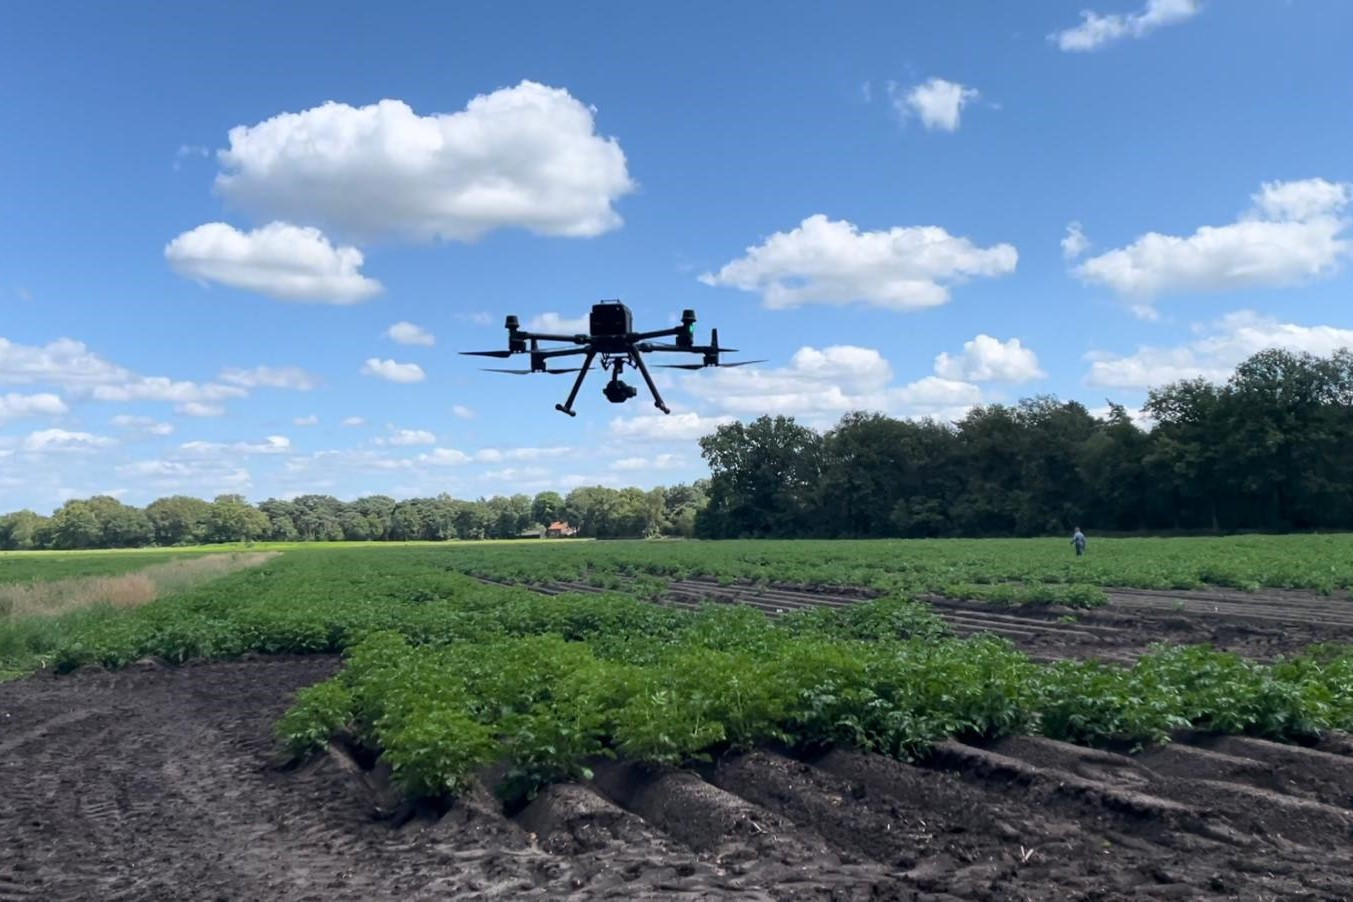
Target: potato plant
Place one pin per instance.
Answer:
(542, 707)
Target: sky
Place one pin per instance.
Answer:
(241, 245)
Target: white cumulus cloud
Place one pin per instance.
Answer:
(821, 384)
(392, 371)
(683, 427)
(200, 409)
(273, 444)
(460, 410)
(445, 457)
(64, 440)
(13, 405)
(408, 334)
(559, 325)
(526, 156)
(936, 102)
(281, 260)
(292, 377)
(1097, 30)
(1074, 244)
(353, 421)
(1294, 232)
(200, 477)
(73, 367)
(658, 462)
(311, 420)
(146, 425)
(825, 261)
(1214, 354)
(494, 455)
(987, 359)
(408, 437)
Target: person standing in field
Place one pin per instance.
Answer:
(1079, 541)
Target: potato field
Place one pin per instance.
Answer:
(931, 719)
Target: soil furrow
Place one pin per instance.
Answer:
(173, 783)
(742, 838)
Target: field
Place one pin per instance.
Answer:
(49, 566)
(786, 720)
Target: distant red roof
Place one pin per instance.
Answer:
(559, 524)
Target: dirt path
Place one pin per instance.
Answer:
(161, 784)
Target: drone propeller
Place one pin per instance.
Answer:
(693, 349)
(488, 353)
(701, 366)
(529, 372)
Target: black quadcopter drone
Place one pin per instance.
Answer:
(613, 338)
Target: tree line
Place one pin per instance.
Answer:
(595, 511)
(1270, 449)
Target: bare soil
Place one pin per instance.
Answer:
(165, 783)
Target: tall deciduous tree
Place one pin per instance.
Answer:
(764, 479)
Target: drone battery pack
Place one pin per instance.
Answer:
(610, 319)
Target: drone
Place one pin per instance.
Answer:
(613, 339)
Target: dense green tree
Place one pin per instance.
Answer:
(120, 525)
(763, 479)
(682, 503)
(546, 507)
(232, 519)
(376, 510)
(1117, 496)
(178, 519)
(21, 530)
(281, 526)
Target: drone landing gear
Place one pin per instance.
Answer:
(657, 398)
(617, 391)
(567, 406)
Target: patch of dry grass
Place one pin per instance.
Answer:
(126, 590)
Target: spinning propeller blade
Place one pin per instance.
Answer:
(488, 353)
(701, 366)
(529, 372)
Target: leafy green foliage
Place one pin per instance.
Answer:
(542, 707)
(320, 712)
(446, 676)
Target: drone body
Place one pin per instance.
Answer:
(611, 337)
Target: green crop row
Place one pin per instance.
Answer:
(1323, 563)
(446, 675)
(1071, 595)
(543, 707)
(325, 602)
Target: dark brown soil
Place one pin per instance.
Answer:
(164, 783)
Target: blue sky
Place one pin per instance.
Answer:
(215, 222)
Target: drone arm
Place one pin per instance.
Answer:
(541, 336)
(657, 398)
(567, 406)
(661, 333)
(559, 352)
